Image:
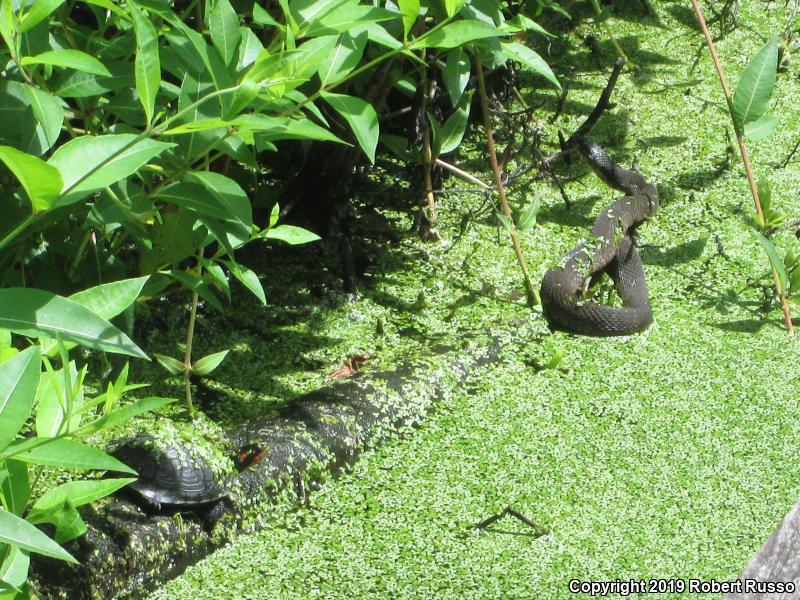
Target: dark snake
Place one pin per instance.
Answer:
(610, 249)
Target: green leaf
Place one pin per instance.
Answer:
(262, 17)
(209, 57)
(456, 74)
(198, 125)
(398, 145)
(126, 413)
(244, 96)
(527, 220)
(18, 532)
(51, 401)
(48, 112)
(524, 55)
(410, 11)
(307, 11)
(504, 221)
(557, 354)
(764, 193)
(67, 454)
(522, 23)
(14, 569)
(291, 234)
(230, 235)
(15, 487)
(361, 117)
(217, 276)
(379, 35)
(224, 27)
(147, 64)
(173, 365)
(228, 194)
(19, 377)
(269, 128)
(436, 145)
(776, 261)
(285, 128)
(108, 5)
(41, 182)
(69, 59)
(195, 284)
(249, 49)
(39, 11)
(107, 300)
(344, 57)
(756, 84)
(37, 313)
(204, 366)
(248, 278)
(85, 85)
(457, 34)
(77, 493)
(761, 128)
(91, 163)
(8, 25)
(452, 132)
(451, 7)
(794, 281)
(173, 240)
(68, 522)
(348, 17)
(195, 197)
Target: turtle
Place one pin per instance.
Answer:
(173, 479)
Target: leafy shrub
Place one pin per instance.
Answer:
(133, 136)
(46, 415)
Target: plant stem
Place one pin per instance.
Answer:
(187, 358)
(530, 292)
(743, 150)
(427, 230)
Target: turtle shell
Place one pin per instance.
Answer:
(169, 474)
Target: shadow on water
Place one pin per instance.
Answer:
(303, 286)
(677, 255)
(579, 215)
(684, 15)
(661, 141)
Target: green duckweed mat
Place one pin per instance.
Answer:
(671, 454)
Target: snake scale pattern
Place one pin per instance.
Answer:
(610, 249)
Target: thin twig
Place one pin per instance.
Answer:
(462, 174)
(791, 154)
(563, 97)
(530, 292)
(538, 530)
(603, 104)
(428, 230)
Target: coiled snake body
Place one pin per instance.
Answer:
(610, 249)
